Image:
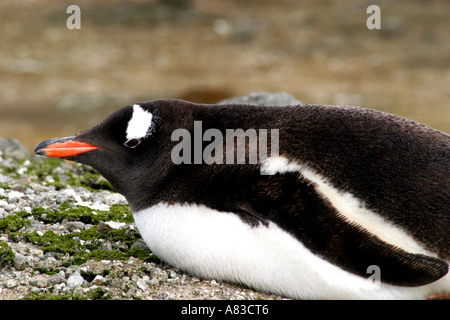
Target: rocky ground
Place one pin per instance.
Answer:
(65, 234)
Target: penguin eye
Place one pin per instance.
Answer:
(132, 143)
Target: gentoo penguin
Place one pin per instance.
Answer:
(346, 203)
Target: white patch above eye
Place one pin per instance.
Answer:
(139, 124)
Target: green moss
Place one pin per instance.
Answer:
(10, 172)
(117, 212)
(90, 180)
(98, 255)
(92, 248)
(45, 270)
(4, 186)
(44, 167)
(144, 255)
(97, 294)
(87, 244)
(63, 173)
(6, 254)
(14, 222)
(52, 242)
(51, 296)
(124, 236)
(122, 213)
(93, 294)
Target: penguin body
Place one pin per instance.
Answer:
(349, 203)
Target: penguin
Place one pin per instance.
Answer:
(348, 202)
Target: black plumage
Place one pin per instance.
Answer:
(399, 168)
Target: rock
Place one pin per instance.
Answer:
(11, 283)
(106, 246)
(75, 280)
(116, 272)
(94, 267)
(58, 278)
(142, 283)
(264, 99)
(39, 281)
(162, 296)
(116, 225)
(55, 255)
(140, 244)
(103, 227)
(5, 179)
(73, 226)
(98, 280)
(11, 146)
(20, 261)
(14, 196)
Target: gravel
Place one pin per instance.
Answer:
(65, 234)
(31, 269)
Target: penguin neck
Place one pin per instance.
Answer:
(135, 188)
(231, 117)
(144, 186)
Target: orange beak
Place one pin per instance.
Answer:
(63, 148)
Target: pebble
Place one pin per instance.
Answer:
(11, 283)
(75, 280)
(20, 261)
(58, 278)
(39, 281)
(142, 283)
(98, 280)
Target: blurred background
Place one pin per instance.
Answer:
(55, 81)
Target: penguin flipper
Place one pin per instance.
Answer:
(294, 204)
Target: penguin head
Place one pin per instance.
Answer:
(126, 144)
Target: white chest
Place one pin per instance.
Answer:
(218, 245)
